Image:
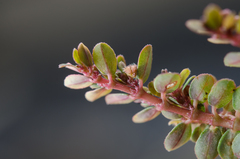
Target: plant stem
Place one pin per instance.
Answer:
(201, 117)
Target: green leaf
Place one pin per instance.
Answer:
(212, 16)
(152, 89)
(206, 145)
(232, 59)
(105, 59)
(236, 99)
(221, 93)
(144, 63)
(201, 86)
(85, 55)
(196, 133)
(93, 95)
(121, 62)
(118, 98)
(236, 145)
(237, 28)
(225, 145)
(187, 82)
(177, 137)
(170, 115)
(228, 21)
(145, 115)
(76, 81)
(197, 26)
(76, 57)
(166, 82)
(184, 75)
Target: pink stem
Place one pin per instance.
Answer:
(201, 117)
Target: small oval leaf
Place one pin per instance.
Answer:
(170, 115)
(184, 75)
(93, 95)
(166, 82)
(196, 133)
(221, 93)
(121, 62)
(228, 21)
(105, 59)
(232, 59)
(197, 26)
(144, 63)
(85, 55)
(206, 145)
(76, 57)
(236, 145)
(236, 99)
(177, 137)
(212, 16)
(225, 145)
(76, 81)
(187, 82)
(201, 86)
(215, 40)
(152, 89)
(145, 115)
(118, 98)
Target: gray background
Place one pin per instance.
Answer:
(42, 119)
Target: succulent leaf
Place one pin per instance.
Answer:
(167, 82)
(76, 81)
(236, 99)
(197, 26)
(201, 86)
(232, 59)
(177, 137)
(118, 98)
(236, 145)
(206, 145)
(184, 75)
(225, 145)
(144, 63)
(93, 95)
(152, 89)
(84, 55)
(145, 115)
(170, 115)
(221, 93)
(121, 62)
(215, 40)
(105, 59)
(212, 16)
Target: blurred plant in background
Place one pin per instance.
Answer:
(202, 109)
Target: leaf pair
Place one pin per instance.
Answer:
(205, 88)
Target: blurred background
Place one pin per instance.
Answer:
(42, 119)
